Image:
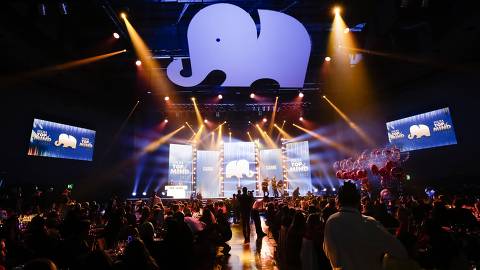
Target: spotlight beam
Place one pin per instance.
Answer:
(159, 83)
(265, 137)
(151, 147)
(327, 141)
(283, 132)
(352, 124)
(197, 112)
(249, 136)
(61, 67)
(274, 114)
(190, 127)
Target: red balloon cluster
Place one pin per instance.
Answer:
(352, 174)
(389, 170)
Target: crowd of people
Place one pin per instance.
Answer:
(311, 232)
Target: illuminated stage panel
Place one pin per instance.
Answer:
(208, 167)
(271, 165)
(239, 162)
(180, 166)
(298, 167)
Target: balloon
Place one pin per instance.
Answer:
(338, 174)
(374, 169)
(336, 165)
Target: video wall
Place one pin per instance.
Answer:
(180, 167)
(207, 173)
(51, 139)
(298, 167)
(240, 164)
(240, 169)
(426, 130)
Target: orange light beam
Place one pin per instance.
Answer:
(197, 112)
(158, 142)
(274, 114)
(62, 67)
(190, 127)
(327, 141)
(158, 80)
(283, 132)
(265, 137)
(352, 124)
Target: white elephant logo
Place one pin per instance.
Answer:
(66, 141)
(238, 168)
(224, 37)
(418, 131)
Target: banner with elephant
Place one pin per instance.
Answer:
(51, 139)
(426, 130)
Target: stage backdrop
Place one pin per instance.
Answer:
(208, 166)
(421, 131)
(180, 166)
(50, 139)
(239, 162)
(298, 167)
(271, 165)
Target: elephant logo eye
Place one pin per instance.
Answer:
(218, 39)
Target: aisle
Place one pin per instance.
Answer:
(257, 255)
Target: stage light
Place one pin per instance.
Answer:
(324, 96)
(116, 35)
(134, 194)
(149, 92)
(328, 59)
(166, 98)
(337, 10)
(346, 30)
(252, 95)
(144, 193)
(166, 120)
(264, 120)
(301, 118)
(205, 121)
(123, 15)
(138, 63)
(301, 94)
(42, 9)
(220, 96)
(333, 189)
(324, 189)
(192, 98)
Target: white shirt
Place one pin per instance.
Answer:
(355, 241)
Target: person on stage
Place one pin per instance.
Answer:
(274, 187)
(265, 187)
(246, 201)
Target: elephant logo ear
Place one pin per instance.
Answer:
(224, 37)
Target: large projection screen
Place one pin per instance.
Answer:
(180, 166)
(208, 167)
(239, 162)
(298, 167)
(426, 130)
(50, 139)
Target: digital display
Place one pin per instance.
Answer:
(271, 166)
(239, 167)
(50, 139)
(180, 166)
(426, 130)
(208, 169)
(298, 167)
